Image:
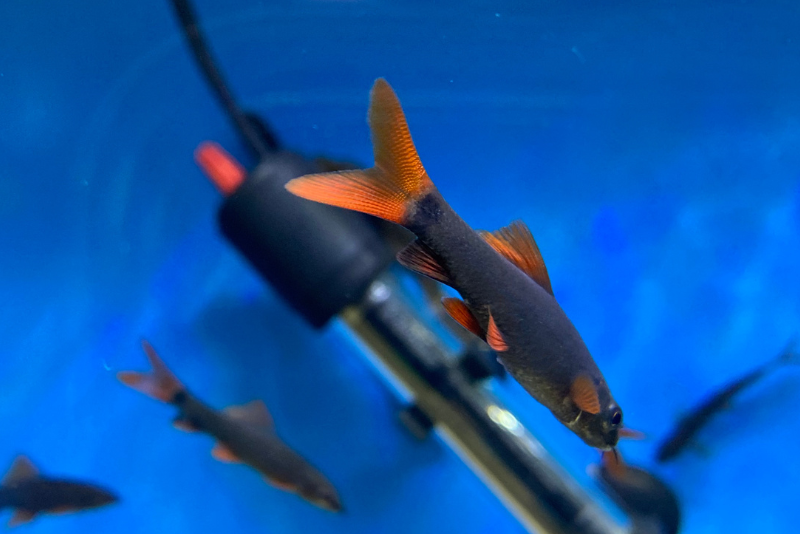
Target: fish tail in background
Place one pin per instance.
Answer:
(160, 383)
(390, 189)
(789, 355)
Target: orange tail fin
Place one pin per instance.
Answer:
(160, 383)
(387, 190)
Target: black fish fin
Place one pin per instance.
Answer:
(516, 244)
(22, 469)
(224, 454)
(460, 312)
(20, 517)
(421, 259)
(390, 188)
(584, 394)
(254, 413)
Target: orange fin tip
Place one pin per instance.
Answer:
(224, 454)
(388, 189)
(613, 463)
(460, 312)
(285, 486)
(494, 338)
(421, 259)
(516, 243)
(584, 395)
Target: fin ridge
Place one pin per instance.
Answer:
(390, 188)
(419, 258)
(515, 242)
(460, 312)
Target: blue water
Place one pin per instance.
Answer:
(652, 147)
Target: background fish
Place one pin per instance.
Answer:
(30, 493)
(691, 424)
(508, 299)
(652, 505)
(244, 434)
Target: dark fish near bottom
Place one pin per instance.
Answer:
(651, 504)
(692, 423)
(30, 493)
(244, 434)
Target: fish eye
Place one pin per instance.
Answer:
(616, 417)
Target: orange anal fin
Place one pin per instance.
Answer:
(584, 395)
(389, 188)
(184, 425)
(224, 454)
(221, 168)
(461, 314)
(516, 243)
(494, 337)
(281, 485)
(21, 517)
(421, 259)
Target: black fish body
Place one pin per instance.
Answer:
(30, 493)
(244, 434)
(698, 418)
(507, 298)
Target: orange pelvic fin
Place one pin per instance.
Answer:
(584, 395)
(20, 517)
(516, 244)
(254, 414)
(160, 383)
(184, 425)
(494, 338)
(461, 314)
(22, 469)
(388, 189)
(224, 454)
(421, 259)
(221, 168)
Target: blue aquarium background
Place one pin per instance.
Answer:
(653, 148)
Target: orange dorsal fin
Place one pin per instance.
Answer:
(21, 517)
(224, 454)
(494, 338)
(160, 383)
(388, 189)
(254, 414)
(460, 312)
(516, 243)
(421, 259)
(22, 469)
(584, 395)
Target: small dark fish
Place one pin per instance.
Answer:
(244, 434)
(652, 505)
(693, 422)
(508, 299)
(29, 493)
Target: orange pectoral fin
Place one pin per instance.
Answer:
(223, 170)
(584, 395)
(494, 338)
(629, 433)
(420, 259)
(224, 454)
(461, 314)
